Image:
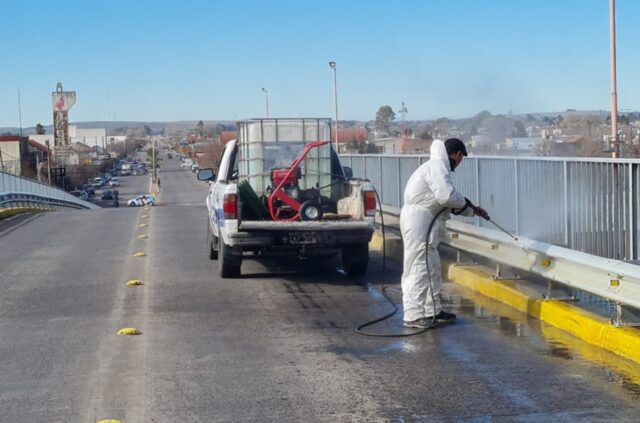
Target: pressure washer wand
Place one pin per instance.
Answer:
(503, 229)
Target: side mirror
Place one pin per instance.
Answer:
(348, 172)
(206, 174)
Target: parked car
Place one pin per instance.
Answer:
(98, 181)
(89, 189)
(107, 194)
(114, 182)
(142, 200)
(195, 168)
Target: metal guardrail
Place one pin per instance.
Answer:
(585, 204)
(13, 200)
(15, 189)
(613, 280)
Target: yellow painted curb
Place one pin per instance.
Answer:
(587, 326)
(134, 282)
(142, 225)
(4, 213)
(376, 241)
(129, 331)
(142, 237)
(139, 254)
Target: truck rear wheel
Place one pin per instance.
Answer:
(355, 259)
(229, 261)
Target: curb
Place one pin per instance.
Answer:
(589, 327)
(5, 213)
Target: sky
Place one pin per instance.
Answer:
(144, 60)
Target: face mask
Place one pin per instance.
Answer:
(452, 163)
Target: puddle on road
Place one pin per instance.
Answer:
(544, 338)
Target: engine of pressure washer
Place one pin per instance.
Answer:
(291, 185)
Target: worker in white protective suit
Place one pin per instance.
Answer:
(428, 191)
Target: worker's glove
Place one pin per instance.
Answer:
(477, 211)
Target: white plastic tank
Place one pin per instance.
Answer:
(266, 144)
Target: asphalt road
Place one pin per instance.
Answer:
(276, 345)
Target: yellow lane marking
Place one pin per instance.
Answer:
(129, 331)
(142, 236)
(587, 326)
(140, 254)
(142, 225)
(134, 282)
(109, 421)
(144, 216)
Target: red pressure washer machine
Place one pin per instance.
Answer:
(287, 201)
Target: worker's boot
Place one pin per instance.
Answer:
(421, 323)
(443, 316)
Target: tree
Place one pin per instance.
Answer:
(200, 128)
(384, 116)
(518, 129)
(150, 157)
(426, 136)
(40, 129)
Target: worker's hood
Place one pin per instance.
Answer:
(439, 152)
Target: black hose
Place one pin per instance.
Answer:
(383, 289)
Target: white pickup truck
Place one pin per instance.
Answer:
(241, 219)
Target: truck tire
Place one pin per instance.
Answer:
(212, 244)
(355, 259)
(228, 262)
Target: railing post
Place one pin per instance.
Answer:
(566, 203)
(399, 182)
(478, 188)
(516, 198)
(380, 179)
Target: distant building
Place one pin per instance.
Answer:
(526, 144)
(14, 154)
(95, 137)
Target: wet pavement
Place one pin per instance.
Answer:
(278, 344)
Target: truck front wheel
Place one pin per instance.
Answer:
(229, 260)
(355, 259)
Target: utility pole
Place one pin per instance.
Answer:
(266, 99)
(614, 89)
(19, 110)
(332, 65)
(153, 159)
(1, 162)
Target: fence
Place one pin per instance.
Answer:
(589, 205)
(18, 186)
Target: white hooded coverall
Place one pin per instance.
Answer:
(428, 191)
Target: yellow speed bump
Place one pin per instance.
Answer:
(134, 282)
(142, 225)
(139, 254)
(129, 331)
(142, 237)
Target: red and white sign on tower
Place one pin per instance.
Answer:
(62, 101)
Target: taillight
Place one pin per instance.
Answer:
(230, 206)
(369, 203)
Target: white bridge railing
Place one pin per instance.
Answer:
(585, 204)
(16, 191)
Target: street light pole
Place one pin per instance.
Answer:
(614, 89)
(266, 99)
(332, 65)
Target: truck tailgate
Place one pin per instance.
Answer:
(322, 225)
